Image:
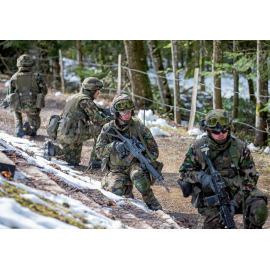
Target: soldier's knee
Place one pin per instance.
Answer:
(258, 213)
(211, 222)
(142, 184)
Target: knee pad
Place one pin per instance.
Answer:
(118, 192)
(142, 184)
(258, 213)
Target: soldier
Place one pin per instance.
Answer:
(225, 151)
(121, 175)
(26, 94)
(75, 127)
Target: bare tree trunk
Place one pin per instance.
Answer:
(139, 82)
(262, 90)
(56, 72)
(217, 59)
(252, 97)
(202, 65)
(158, 66)
(235, 84)
(177, 112)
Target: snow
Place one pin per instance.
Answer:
(252, 148)
(200, 136)
(58, 94)
(266, 150)
(7, 83)
(195, 131)
(159, 132)
(99, 103)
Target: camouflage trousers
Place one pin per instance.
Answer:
(71, 147)
(120, 182)
(32, 117)
(210, 218)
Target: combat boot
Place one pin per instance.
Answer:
(17, 128)
(154, 205)
(24, 130)
(96, 163)
(49, 151)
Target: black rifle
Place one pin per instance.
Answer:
(106, 112)
(221, 197)
(134, 149)
(4, 103)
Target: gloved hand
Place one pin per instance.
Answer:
(119, 146)
(143, 166)
(234, 206)
(206, 181)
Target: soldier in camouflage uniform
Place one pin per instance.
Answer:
(121, 175)
(223, 151)
(81, 121)
(26, 93)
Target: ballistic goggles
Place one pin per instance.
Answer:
(124, 105)
(212, 122)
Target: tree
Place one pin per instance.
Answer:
(140, 82)
(177, 112)
(202, 65)
(262, 90)
(158, 66)
(217, 59)
(252, 97)
(235, 83)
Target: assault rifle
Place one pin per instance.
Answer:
(4, 103)
(134, 149)
(106, 112)
(221, 197)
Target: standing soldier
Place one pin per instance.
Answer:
(227, 154)
(121, 175)
(75, 126)
(26, 94)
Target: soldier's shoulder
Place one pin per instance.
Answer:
(14, 76)
(107, 125)
(238, 143)
(200, 142)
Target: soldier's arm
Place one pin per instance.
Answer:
(92, 112)
(41, 85)
(150, 143)
(103, 146)
(11, 87)
(190, 168)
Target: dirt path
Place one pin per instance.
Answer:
(172, 151)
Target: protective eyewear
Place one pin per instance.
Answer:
(212, 122)
(223, 131)
(124, 113)
(124, 105)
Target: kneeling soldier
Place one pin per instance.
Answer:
(121, 175)
(233, 160)
(75, 126)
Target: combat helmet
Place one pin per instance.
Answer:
(24, 61)
(122, 103)
(91, 85)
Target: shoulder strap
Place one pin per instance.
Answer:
(142, 140)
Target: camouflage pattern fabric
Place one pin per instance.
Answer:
(119, 99)
(210, 218)
(29, 109)
(120, 182)
(122, 174)
(92, 84)
(219, 113)
(71, 147)
(24, 61)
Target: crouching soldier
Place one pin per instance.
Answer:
(121, 175)
(26, 94)
(233, 160)
(80, 121)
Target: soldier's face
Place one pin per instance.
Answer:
(220, 136)
(125, 115)
(96, 94)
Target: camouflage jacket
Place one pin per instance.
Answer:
(13, 82)
(105, 149)
(222, 162)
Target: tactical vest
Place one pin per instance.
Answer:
(115, 162)
(74, 119)
(27, 88)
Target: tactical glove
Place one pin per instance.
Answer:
(206, 181)
(119, 146)
(233, 205)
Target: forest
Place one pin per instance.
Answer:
(160, 74)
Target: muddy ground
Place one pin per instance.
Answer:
(172, 151)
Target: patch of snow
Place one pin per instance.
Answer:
(159, 132)
(252, 148)
(7, 83)
(266, 150)
(199, 136)
(121, 203)
(183, 97)
(58, 94)
(99, 103)
(194, 131)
